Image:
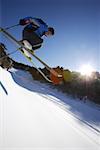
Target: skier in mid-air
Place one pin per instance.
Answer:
(33, 31)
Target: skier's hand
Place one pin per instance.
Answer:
(23, 22)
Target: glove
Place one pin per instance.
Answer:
(23, 22)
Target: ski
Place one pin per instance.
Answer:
(31, 61)
(9, 36)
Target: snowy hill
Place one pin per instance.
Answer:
(34, 116)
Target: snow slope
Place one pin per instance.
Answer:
(34, 116)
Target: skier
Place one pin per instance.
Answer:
(35, 28)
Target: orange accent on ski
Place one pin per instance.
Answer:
(56, 76)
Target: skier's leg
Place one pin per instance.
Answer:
(27, 44)
(36, 47)
(32, 38)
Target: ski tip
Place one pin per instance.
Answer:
(56, 77)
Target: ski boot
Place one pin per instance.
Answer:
(28, 46)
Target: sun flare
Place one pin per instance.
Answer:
(86, 70)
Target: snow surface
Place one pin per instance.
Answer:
(35, 116)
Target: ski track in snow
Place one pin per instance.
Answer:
(83, 118)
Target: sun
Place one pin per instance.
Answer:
(86, 69)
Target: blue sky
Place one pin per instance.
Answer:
(77, 30)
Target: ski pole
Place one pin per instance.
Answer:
(11, 26)
(7, 28)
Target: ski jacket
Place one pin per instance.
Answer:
(41, 26)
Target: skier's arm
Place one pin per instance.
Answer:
(28, 20)
(33, 20)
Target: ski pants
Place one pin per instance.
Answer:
(32, 38)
